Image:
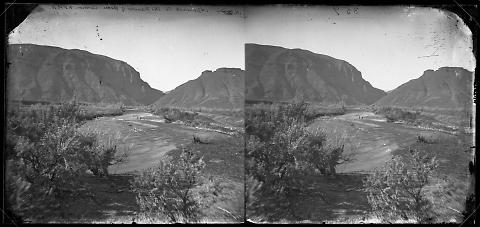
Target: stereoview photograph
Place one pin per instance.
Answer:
(121, 114)
(357, 115)
(235, 114)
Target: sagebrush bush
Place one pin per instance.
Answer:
(98, 154)
(48, 167)
(279, 147)
(396, 190)
(46, 153)
(168, 188)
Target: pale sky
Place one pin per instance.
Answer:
(168, 47)
(388, 45)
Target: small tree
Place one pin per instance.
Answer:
(396, 190)
(167, 189)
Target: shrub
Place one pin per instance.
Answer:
(167, 189)
(41, 170)
(53, 160)
(424, 139)
(275, 161)
(323, 158)
(279, 147)
(396, 190)
(99, 151)
(263, 122)
(46, 153)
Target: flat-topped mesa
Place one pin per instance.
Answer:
(223, 71)
(222, 89)
(45, 73)
(229, 70)
(445, 89)
(280, 74)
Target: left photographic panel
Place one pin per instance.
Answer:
(126, 114)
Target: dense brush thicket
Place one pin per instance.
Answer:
(45, 154)
(193, 119)
(280, 148)
(395, 114)
(171, 115)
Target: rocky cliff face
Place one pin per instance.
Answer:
(280, 74)
(222, 89)
(448, 88)
(45, 73)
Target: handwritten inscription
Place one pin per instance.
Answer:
(120, 8)
(345, 10)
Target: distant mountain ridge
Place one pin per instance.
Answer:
(280, 74)
(448, 88)
(222, 89)
(54, 74)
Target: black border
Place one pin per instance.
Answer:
(468, 10)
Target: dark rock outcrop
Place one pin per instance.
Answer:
(446, 89)
(46, 73)
(280, 74)
(222, 89)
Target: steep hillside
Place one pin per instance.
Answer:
(446, 89)
(280, 74)
(220, 89)
(45, 73)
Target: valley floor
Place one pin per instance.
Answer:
(148, 140)
(341, 198)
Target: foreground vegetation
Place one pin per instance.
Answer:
(426, 182)
(58, 171)
(280, 149)
(47, 153)
(396, 191)
(289, 167)
(168, 188)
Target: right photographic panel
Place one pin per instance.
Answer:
(358, 115)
